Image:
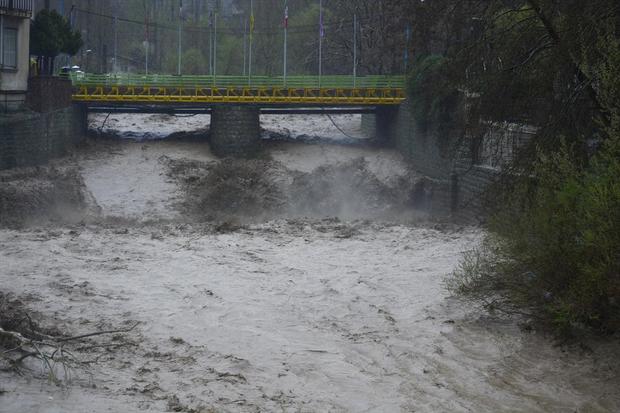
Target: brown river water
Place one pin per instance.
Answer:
(337, 313)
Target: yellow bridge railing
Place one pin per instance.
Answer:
(297, 90)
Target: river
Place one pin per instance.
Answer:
(286, 314)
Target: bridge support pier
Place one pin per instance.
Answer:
(235, 130)
(381, 125)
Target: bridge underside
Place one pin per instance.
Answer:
(193, 109)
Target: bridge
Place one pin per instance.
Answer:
(118, 89)
(236, 102)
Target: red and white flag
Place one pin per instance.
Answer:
(286, 17)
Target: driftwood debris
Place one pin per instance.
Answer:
(21, 338)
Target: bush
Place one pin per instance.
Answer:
(554, 247)
(434, 99)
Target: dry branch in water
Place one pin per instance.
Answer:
(21, 338)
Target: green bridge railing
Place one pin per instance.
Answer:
(269, 82)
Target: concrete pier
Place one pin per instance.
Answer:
(380, 126)
(235, 130)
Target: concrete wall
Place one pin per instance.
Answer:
(457, 179)
(14, 82)
(49, 93)
(31, 138)
(47, 129)
(423, 147)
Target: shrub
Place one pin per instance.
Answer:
(553, 249)
(434, 100)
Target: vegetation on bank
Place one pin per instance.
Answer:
(553, 246)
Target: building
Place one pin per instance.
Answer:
(14, 52)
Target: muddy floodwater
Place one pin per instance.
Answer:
(291, 313)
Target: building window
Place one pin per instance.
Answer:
(9, 48)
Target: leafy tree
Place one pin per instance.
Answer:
(50, 35)
(194, 62)
(552, 249)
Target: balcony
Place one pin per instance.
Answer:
(20, 8)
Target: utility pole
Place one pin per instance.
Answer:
(179, 38)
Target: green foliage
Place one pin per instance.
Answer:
(194, 62)
(51, 34)
(45, 37)
(555, 247)
(229, 60)
(433, 97)
(72, 41)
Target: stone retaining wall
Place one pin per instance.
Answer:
(459, 179)
(48, 93)
(30, 138)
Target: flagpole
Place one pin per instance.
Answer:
(146, 42)
(285, 37)
(179, 39)
(116, 37)
(407, 38)
(245, 46)
(320, 40)
(214, 46)
(211, 42)
(251, 38)
(354, 49)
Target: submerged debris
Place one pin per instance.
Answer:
(267, 189)
(37, 195)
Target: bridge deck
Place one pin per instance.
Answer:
(297, 90)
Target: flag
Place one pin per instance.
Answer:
(181, 11)
(286, 17)
(251, 23)
(407, 39)
(321, 27)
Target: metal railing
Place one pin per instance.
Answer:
(22, 7)
(224, 82)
